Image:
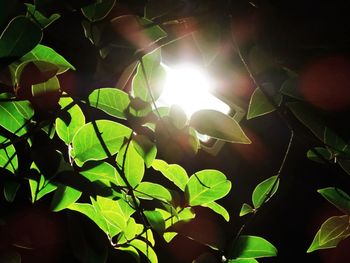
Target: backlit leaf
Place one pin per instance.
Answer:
(243, 260)
(39, 186)
(148, 190)
(246, 209)
(264, 191)
(259, 105)
(8, 156)
(206, 186)
(63, 197)
(155, 77)
(145, 249)
(218, 125)
(290, 88)
(332, 140)
(130, 232)
(337, 197)
(39, 17)
(24, 108)
(253, 247)
(12, 119)
(10, 189)
(86, 142)
(111, 100)
(145, 148)
(208, 41)
(66, 129)
(48, 86)
(317, 154)
(99, 10)
(332, 231)
(47, 54)
(131, 163)
(218, 209)
(103, 172)
(173, 172)
(116, 212)
(91, 212)
(156, 220)
(19, 37)
(308, 117)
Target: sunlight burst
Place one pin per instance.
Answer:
(190, 88)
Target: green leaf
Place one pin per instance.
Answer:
(208, 41)
(345, 165)
(155, 77)
(111, 100)
(94, 214)
(48, 86)
(99, 10)
(243, 260)
(253, 247)
(259, 105)
(206, 186)
(332, 231)
(218, 125)
(8, 156)
(39, 186)
(103, 172)
(145, 249)
(149, 191)
(131, 163)
(25, 108)
(332, 140)
(145, 148)
(130, 232)
(19, 37)
(318, 152)
(155, 219)
(290, 88)
(337, 197)
(66, 129)
(218, 209)
(152, 32)
(31, 72)
(116, 212)
(246, 209)
(63, 197)
(308, 117)
(177, 116)
(263, 191)
(10, 190)
(47, 54)
(87, 145)
(12, 119)
(39, 17)
(173, 172)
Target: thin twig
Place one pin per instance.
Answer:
(266, 199)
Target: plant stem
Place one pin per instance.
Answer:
(233, 242)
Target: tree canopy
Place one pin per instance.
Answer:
(92, 169)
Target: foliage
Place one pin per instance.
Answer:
(109, 153)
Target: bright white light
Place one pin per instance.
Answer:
(188, 87)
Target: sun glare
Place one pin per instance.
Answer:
(190, 88)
